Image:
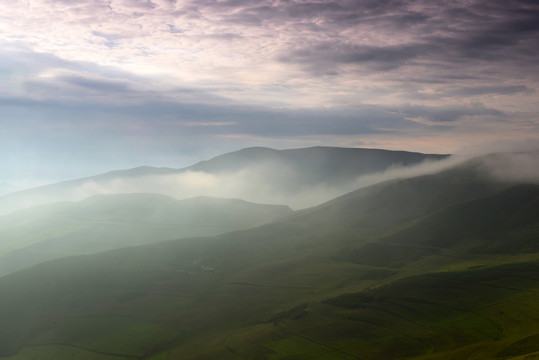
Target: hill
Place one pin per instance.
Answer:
(105, 222)
(317, 164)
(297, 177)
(406, 269)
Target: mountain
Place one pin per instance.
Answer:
(437, 266)
(105, 222)
(317, 164)
(297, 177)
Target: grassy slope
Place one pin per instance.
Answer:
(503, 223)
(112, 221)
(105, 305)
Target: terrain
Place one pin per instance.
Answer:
(438, 266)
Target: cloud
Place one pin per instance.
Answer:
(84, 114)
(101, 85)
(448, 91)
(513, 167)
(421, 34)
(449, 114)
(76, 100)
(326, 57)
(490, 90)
(95, 78)
(294, 40)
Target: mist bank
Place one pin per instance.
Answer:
(267, 183)
(521, 166)
(298, 178)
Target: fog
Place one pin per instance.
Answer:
(513, 166)
(269, 182)
(273, 182)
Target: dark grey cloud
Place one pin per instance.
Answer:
(447, 114)
(112, 118)
(77, 87)
(425, 34)
(330, 15)
(99, 85)
(326, 57)
(490, 90)
(359, 120)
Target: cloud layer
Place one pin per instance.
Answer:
(99, 84)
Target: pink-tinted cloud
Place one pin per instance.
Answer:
(83, 76)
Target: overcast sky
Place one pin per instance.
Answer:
(88, 86)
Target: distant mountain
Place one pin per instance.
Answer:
(317, 164)
(105, 222)
(436, 266)
(297, 177)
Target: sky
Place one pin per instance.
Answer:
(88, 86)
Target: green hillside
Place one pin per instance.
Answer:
(506, 222)
(442, 266)
(107, 222)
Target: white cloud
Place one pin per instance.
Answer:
(513, 167)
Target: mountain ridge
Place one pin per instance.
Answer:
(308, 168)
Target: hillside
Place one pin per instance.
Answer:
(367, 275)
(298, 177)
(105, 222)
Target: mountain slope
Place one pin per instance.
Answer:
(107, 222)
(287, 290)
(300, 176)
(474, 314)
(506, 222)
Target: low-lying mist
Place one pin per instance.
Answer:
(269, 182)
(513, 167)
